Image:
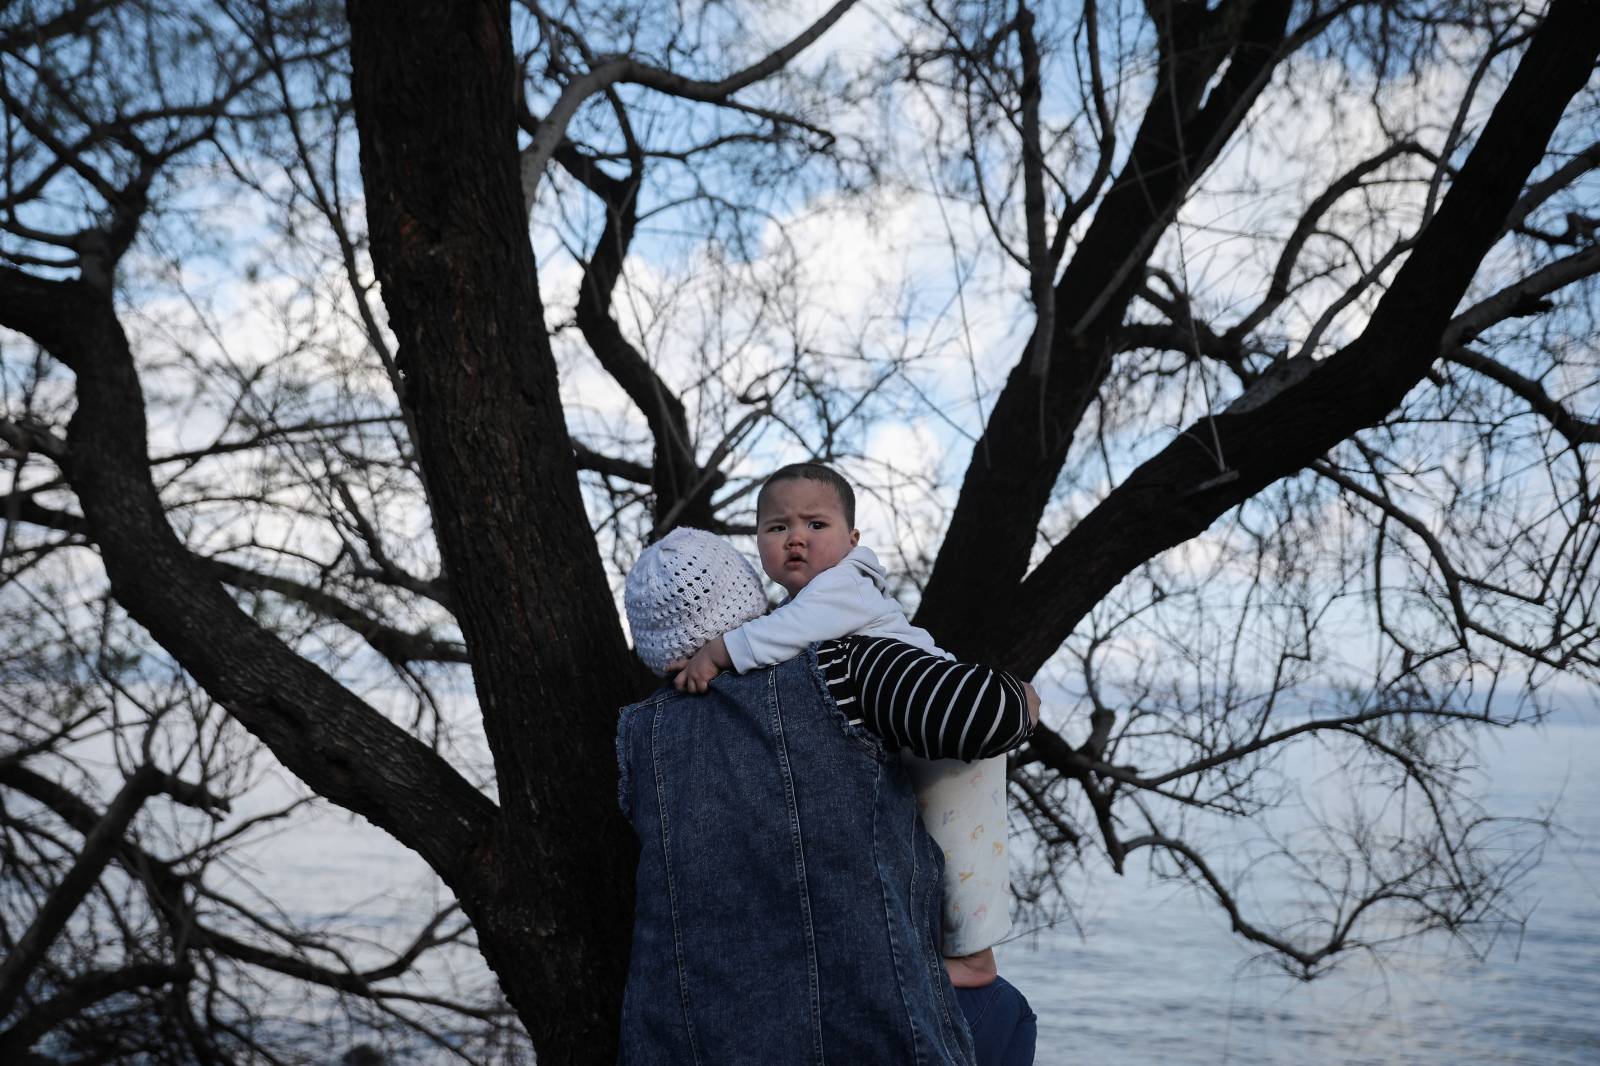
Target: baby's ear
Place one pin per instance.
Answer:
(855, 537)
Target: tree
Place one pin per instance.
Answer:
(148, 941)
(130, 926)
(1420, 283)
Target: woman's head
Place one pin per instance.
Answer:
(686, 589)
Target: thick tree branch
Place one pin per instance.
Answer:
(1015, 464)
(1523, 297)
(1192, 337)
(27, 509)
(1541, 191)
(679, 487)
(1223, 460)
(25, 438)
(34, 307)
(587, 458)
(351, 753)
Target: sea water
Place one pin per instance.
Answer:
(1156, 976)
(1153, 975)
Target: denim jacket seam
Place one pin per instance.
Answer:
(888, 918)
(937, 974)
(624, 776)
(672, 892)
(796, 843)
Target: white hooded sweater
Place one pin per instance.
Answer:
(851, 597)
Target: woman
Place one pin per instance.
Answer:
(788, 899)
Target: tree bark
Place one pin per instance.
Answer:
(435, 86)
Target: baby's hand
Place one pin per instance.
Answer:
(694, 675)
(1033, 704)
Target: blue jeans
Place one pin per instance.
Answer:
(1003, 1026)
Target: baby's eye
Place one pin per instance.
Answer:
(817, 523)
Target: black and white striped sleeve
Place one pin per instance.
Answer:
(918, 702)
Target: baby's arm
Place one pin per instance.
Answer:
(838, 602)
(934, 708)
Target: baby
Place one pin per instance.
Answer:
(806, 536)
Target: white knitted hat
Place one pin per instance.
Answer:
(688, 588)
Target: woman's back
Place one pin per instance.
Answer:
(787, 895)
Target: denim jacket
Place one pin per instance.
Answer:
(787, 902)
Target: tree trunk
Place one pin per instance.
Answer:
(435, 85)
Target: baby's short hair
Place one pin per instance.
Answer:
(813, 472)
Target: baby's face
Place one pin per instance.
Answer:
(801, 531)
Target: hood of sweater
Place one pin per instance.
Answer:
(866, 563)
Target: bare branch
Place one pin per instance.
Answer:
(69, 21)
(99, 845)
(1041, 267)
(1180, 492)
(1521, 298)
(589, 459)
(1282, 275)
(310, 721)
(394, 644)
(78, 995)
(1577, 431)
(622, 69)
(1539, 192)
